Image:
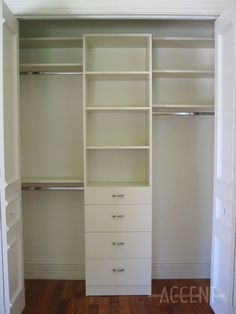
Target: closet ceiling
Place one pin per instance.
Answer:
(117, 7)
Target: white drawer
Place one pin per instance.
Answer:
(113, 218)
(118, 195)
(118, 272)
(118, 245)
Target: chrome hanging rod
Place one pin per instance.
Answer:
(49, 73)
(183, 113)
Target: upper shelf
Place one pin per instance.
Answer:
(117, 75)
(183, 42)
(183, 73)
(51, 42)
(51, 67)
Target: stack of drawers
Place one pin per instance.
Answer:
(118, 240)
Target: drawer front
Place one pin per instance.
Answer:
(118, 272)
(118, 195)
(112, 218)
(118, 245)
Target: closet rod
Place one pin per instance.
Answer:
(49, 73)
(183, 113)
(52, 188)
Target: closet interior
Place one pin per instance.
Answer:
(124, 107)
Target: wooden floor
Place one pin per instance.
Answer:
(67, 297)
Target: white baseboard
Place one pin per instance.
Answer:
(163, 269)
(54, 270)
(180, 269)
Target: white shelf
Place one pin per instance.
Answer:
(51, 67)
(183, 74)
(111, 184)
(117, 109)
(117, 75)
(116, 147)
(183, 42)
(51, 42)
(185, 107)
(45, 180)
(117, 40)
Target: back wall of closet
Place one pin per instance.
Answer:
(52, 146)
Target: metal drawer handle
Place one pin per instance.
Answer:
(118, 195)
(118, 216)
(118, 243)
(118, 269)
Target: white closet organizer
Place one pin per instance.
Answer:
(183, 69)
(87, 102)
(117, 154)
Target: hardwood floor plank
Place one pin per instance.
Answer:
(68, 297)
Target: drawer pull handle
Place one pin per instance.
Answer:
(118, 243)
(118, 216)
(118, 195)
(119, 270)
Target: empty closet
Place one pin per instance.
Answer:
(115, 130)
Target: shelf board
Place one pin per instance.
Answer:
(45, 180)
(111, 184)
(184, 107)
(116, 147)
(51, 42)
(183, 42)
(183, 74)
(117, 75)
(117, 40)
(51, 67)
(117, 109)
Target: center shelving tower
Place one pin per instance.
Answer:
(117, 163)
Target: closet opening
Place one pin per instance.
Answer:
(176, 159)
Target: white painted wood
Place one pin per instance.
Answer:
(150, 7)
(113, 218)
(118, 195)
(118, 272)
(51, 67)
(223, 237)
(118, 245)
(11, 221)
(183, 73)
(183, 42)
(119, 290)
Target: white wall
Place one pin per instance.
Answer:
(152, 7)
